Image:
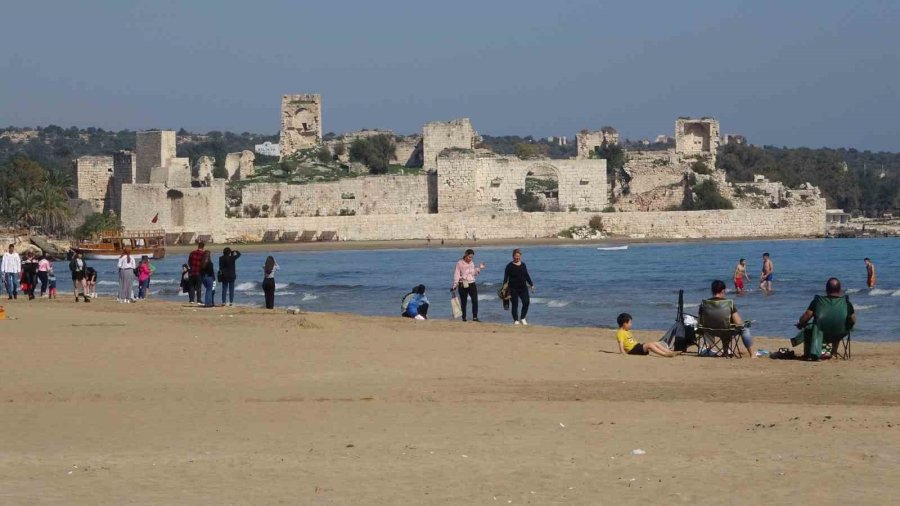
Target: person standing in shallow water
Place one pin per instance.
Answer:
(871, 278)
(464, 280)
(518, 281)
(768, 275)
(228, 274)
(268, 283)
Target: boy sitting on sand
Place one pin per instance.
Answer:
(628, 345)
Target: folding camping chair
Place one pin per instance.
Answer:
(717, 336)
(829, 330)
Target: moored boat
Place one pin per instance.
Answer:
(109, 245)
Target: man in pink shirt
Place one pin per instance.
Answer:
(464, 280)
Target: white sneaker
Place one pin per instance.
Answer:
(523, 321)
(516, 322)
(419, 317)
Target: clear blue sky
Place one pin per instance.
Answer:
(814, 73)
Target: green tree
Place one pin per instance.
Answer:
(375, 152)
(96, 223)
(529, 150)
(704, 196)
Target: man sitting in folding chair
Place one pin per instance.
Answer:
(720, 326)
(826, 324)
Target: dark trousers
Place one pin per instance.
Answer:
(227, 289)
(194, 288)
(516, 295)
(31, 279)
(464, 294)
(268, 286)
(42, 275)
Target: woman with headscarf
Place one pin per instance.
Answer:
(268, 284)
(126, 266)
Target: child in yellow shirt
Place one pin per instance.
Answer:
(629, 346)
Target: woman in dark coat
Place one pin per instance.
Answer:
(518, 281)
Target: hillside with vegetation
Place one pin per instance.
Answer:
(864, 181)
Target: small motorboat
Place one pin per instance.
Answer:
(613, 248)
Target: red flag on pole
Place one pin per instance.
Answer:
(155, 218)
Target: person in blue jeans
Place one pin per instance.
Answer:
(418, 304)
(207, 278)
(228, 274)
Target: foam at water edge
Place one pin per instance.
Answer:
(852, 290)
(308, 297)
(246, 286)
(862, 307)
(558, 303)
(879, 291)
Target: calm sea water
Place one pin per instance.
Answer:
(577, 285)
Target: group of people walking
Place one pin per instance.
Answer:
(25, 274)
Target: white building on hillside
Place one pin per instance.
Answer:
(268, 149)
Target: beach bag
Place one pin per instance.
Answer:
(455, 306)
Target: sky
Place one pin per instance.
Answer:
(784, 73)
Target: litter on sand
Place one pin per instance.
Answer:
(638, 451)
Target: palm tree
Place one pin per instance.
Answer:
(23, 206)
(53, 208)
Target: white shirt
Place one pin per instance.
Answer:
(126, 262)
(12, 262)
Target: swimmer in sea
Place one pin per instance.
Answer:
(768, 275)
(870, 273)
(740, 272)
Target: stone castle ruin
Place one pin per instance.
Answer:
(461, 189)
(588, 142)
(301, 122)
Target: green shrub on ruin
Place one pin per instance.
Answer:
(700, 167)
(596, 223)
(705, 196)
(374, 152)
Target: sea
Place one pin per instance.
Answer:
(577, 285)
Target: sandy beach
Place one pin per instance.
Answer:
(164, 403)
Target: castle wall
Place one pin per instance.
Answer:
(301, 122)
(806, 221)
(483, 180)
(200, 210)
(153, 148)
(401, 195)
(440, 135)
(94, 180)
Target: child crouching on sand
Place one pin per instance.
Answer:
(629, 346)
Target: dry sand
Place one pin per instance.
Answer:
(162, 403)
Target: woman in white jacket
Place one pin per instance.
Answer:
(126, 277)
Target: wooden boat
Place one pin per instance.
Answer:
(110, 244)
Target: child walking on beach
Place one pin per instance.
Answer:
(51, 281)
(629, 346)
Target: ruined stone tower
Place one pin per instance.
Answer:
(153, 149)
(695, 137)
(301, 122)
(440, 135)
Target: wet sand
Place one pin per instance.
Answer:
(158, 402)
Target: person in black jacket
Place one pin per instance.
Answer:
(518, 281)
(228, 273)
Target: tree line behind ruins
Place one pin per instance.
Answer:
(35, 166)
